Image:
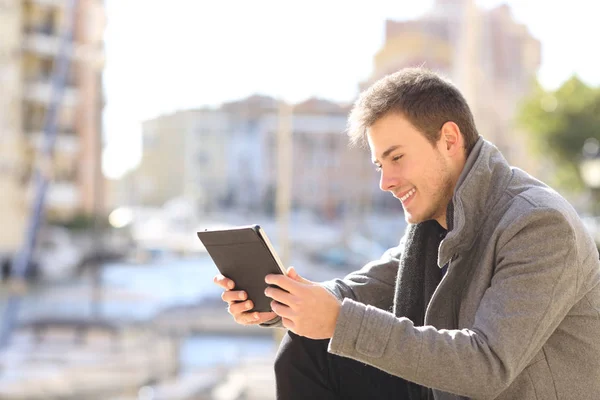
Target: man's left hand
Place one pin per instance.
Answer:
(307, 308)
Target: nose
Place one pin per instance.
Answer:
(387, 181)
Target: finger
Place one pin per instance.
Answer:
(281, 296)
(238, 308)
(282, 310)
(254, 318)
(292, 273)
(283, 282)
(224, 282)
(233, 296)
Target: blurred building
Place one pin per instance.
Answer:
(252, 125)
(184, 155)
(486, 53)
(329, 177)
(121, 191)
(227, 158)
(31, 36)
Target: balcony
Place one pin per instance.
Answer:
(41, 41)
(38, 42)
(60, 195)
(63, 196)
(41, 92)
(65, 143)
(51, 3)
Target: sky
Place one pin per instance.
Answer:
(168, 55)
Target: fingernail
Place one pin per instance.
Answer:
(242, 296)
(255, 316)
(230, 285)
(248, 306)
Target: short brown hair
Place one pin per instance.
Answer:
(424, 98)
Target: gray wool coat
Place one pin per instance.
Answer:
(517, 315)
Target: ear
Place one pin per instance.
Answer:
(451, 138)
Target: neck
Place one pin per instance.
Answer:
(442, 221)
(447, 218)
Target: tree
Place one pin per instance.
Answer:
(559, 122)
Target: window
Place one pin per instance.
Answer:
(149, 140)
(202, 158)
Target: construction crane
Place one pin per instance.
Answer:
(22, 259)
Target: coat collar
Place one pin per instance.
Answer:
(483, 180)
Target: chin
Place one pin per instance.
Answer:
(411, 219)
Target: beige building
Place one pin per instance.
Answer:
(31, 36)
(486, 53)
(210, 157)
(184, 155)
(227, 158)
(327, 176)
(330, 177)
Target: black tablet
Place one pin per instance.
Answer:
(245, 255)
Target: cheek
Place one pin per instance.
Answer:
(419, 174)
(393, 172)
(439, 180)
(429, 178)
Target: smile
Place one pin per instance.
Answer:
(407, 195)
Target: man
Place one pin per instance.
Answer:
(493, 292)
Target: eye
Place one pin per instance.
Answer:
(377, 168)
(396, 158)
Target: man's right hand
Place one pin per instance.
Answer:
(238, 304)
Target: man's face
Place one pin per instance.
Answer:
(412, 169)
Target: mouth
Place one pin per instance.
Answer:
(407, 195)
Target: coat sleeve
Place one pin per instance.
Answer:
(533, 287)
(373, 284)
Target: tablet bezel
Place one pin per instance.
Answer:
(263, 235)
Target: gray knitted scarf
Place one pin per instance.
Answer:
(418, 277)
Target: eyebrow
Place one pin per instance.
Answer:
(386, 153)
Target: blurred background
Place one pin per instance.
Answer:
(128, 125)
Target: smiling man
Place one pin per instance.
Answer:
(493, 292)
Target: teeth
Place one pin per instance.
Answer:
(407, 195)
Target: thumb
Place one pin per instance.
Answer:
(291, 272)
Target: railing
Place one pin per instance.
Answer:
(40, 42)
(66, 142)
(53, 3)
(63, 195)
(41, 91)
